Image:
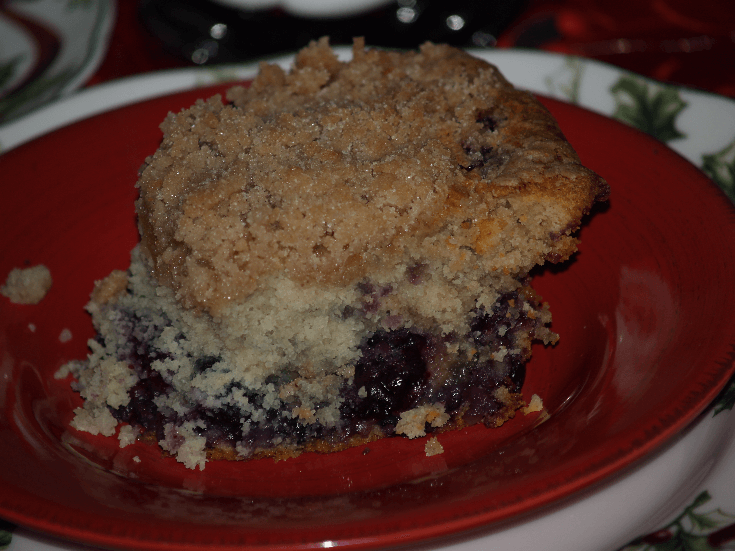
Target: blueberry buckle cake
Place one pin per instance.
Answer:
(335, 254)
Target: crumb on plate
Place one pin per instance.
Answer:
(27, 285)
(433, 447)
(536, 404)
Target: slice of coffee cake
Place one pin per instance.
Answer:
(337, 254)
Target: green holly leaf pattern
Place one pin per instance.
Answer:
(702, 522)
(55, 81)
(676, 543)
(652, 109)
(691, 531)
(726, 400)
(26, 99)
(720, 167)
(566, 81)
(690, 542)
(8, 69)
(6, 534)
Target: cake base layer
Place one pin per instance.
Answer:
(407, 381)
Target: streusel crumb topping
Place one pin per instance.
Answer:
(389, 163)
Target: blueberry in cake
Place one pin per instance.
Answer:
(335, 254)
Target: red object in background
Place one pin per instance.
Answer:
(676, 41)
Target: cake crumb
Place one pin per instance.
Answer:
(136, 459)
(65, 335)
(127, 435)
(27, 285)
(68, 368)
(536, 404)
(32, 327)
(108, 289)
(433, 447)
(185, 444)
(94, 421)
(413, 422)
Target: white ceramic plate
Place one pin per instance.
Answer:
(48, 48)
(685, 491)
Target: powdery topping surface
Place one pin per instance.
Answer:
(27, 285)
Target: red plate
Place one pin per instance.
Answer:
(644, 311)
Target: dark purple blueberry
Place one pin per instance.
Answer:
(221, 424)
(393, 373)
(204, 363)
(479, 157)
(141, 410)
(486, 118)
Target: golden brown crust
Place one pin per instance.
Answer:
(338, 170)
(108, 289)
